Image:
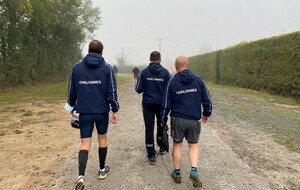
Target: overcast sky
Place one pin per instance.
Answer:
(188, 27)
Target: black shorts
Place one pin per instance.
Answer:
(87, 121)
(185, 128)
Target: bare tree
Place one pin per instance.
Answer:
(122, 60)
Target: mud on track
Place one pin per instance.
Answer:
(42, 153)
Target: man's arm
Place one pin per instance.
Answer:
(112, 91)
(72, 97)
(166, 103)
(206, 102)
(140, 86)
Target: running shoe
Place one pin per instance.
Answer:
(162, 151)
(80, 183)
(195, 179)
(152, 160)
(103, 174)
(176, 177)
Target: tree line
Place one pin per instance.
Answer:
(40, 40)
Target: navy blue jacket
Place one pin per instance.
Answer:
(152, 82)
(184, 95)
(92, 86)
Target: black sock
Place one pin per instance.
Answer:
(102, 151)
(82, 161)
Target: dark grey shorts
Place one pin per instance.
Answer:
(185, 128)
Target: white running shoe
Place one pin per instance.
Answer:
(80, 183)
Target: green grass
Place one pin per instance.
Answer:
(52, 91)
(123, 78)
(49, 92)
(275, 115)
(265, 95)
(17, 131)
(28, 113)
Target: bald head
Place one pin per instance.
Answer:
(181, 63)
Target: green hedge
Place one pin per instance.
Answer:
(271, 64)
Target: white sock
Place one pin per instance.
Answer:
(81, 176)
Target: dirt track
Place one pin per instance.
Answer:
(40, 152)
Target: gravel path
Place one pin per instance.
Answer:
(234, 155)
(220, 167)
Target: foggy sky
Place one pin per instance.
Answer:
(188, 27)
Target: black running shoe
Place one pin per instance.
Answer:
(162, 151)
(195, 179)
(177, 178)
(152, 160)
(103, 174)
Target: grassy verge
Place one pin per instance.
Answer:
(277, 116)
(264, 95)
(124, 78)
(49, 92)
(52, 91)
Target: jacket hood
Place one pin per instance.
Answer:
(185, 76)
(93, 60)
(155, 67)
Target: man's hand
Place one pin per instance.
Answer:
(204, 119)
(164, 125)
(114, 118)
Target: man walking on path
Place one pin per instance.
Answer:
(184, 96)
(115, 68)
(92, 89)
(136, 72)
(152, 82)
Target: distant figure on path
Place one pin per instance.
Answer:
(93, 90)
(136, 72)
(115, 70)
(185, 94)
